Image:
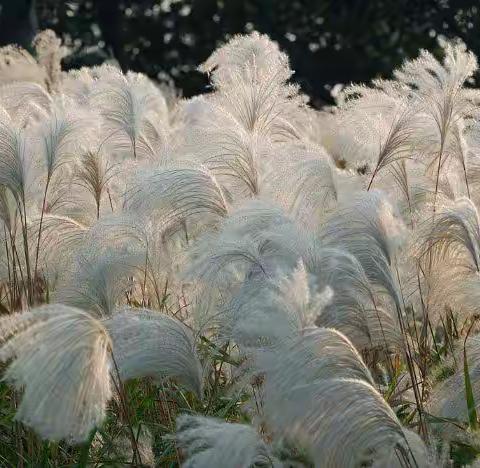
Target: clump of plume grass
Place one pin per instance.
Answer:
(237, 279)
(60, 357)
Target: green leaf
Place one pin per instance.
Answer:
(472, 412)
(83, 460)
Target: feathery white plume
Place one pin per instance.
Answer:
(211, 443)
(180, 194)
(151, 344)
(60, 357)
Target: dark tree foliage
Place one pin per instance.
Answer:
(328, 41)
(18, 22)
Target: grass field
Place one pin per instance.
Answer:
(238, 279)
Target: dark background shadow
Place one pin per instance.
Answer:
(328, 41)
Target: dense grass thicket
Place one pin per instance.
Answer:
(236, 279)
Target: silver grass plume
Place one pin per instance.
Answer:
(250, 75)
(111, 264)
(365, 429)
(265, 312)
(438, 88)
(158, 257)
(459, 148)
(59, 133)
(323, 353)
(243, 264)
(98, 278)
(234, 156)
(8, 210)
(383, 120)
(256, 316)
(179, 194)
(369, 228)
(233, 258)
(454, 232)
(104, 266)
(354, 307)
(61, 239)
(21, 98)
(93, 173)
(319, 370)
(130, 104)
(151, 344)
(301, 292)
(470, 147)
(253, 217)
(49, 51)
(211, 443)
(312, 188)
(256, 241)
(448, 247)
(15, 149)
(79, 84)
(244, 52)
(16, 64)
(60, 357)
(417, 455)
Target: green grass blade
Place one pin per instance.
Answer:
(84, 452)
(472, 412)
